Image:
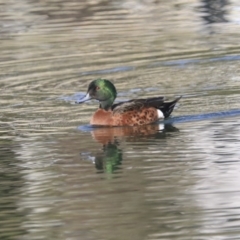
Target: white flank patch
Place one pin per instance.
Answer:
(160, 114)
(160, 126)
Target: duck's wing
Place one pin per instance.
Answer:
(137, 104)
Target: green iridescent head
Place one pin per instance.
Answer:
(103, 91)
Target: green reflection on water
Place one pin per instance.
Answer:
(110, 160)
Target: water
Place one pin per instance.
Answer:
(63, 179)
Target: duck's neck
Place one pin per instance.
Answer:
(106, 105)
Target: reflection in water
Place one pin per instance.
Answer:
(111, 156)
(105, 135)
(110, 159)
(215, 11)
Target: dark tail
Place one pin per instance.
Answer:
(168, 107)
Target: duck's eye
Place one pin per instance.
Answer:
(97, 88)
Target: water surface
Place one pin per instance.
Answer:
(63, 179)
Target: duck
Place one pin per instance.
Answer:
(135, 112)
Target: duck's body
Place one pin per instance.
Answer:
(131, 113)
(128, 118)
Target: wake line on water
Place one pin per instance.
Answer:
(202, 117)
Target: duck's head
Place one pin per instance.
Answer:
(103, 91)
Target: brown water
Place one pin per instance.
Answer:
(62, 179)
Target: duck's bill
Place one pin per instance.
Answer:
(84, 99)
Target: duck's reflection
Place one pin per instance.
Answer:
(105, 135)
(110, 158)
